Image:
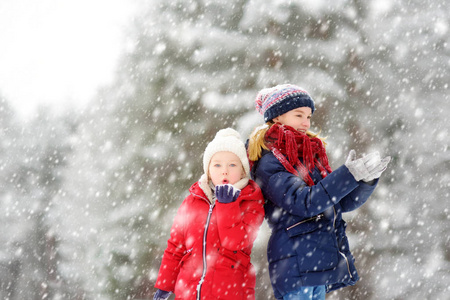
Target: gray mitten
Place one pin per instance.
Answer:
(362, 167)
(376, 171)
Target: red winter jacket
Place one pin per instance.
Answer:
(208, 252)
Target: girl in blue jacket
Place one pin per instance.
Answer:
(308, 251)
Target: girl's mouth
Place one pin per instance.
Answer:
(225, 181)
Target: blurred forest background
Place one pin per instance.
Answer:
(87, 197)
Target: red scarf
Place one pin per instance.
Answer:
(288, 145)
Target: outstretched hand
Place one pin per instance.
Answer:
(378, 169)
(226, 193)
(356, 166)
(368, 167)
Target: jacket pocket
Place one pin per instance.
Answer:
(236, 258)
(305, 226)
(185, 257)
(231, 279)
(191, 268)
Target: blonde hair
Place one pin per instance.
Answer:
(257, 141)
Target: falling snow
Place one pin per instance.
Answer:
(88, 197)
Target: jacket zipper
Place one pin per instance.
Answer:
(343, 255)
(317, 218)
(200, 283)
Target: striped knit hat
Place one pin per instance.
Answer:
(275, 101)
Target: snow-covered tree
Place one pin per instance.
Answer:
(377, 69)
(32, 157)
(195, 67)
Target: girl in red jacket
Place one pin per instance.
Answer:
(208, 252)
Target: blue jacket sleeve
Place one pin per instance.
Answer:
(292, 194)
(358, 196)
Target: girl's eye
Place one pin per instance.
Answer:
(217, 165)
(232, 165)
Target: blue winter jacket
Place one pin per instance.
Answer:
(308, 245)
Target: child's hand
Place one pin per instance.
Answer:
(226, 193)
(161, 295)
(356, 166)
(378, 169)
(366, 168)
(359, 168)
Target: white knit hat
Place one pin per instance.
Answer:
(226, 140)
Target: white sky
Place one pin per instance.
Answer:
(58, 52)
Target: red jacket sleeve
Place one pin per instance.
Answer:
(176, 249)
(238, 222)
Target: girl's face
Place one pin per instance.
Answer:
(299, 118)
(225, 168)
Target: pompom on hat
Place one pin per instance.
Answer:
(226, 139)
(275, 101)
